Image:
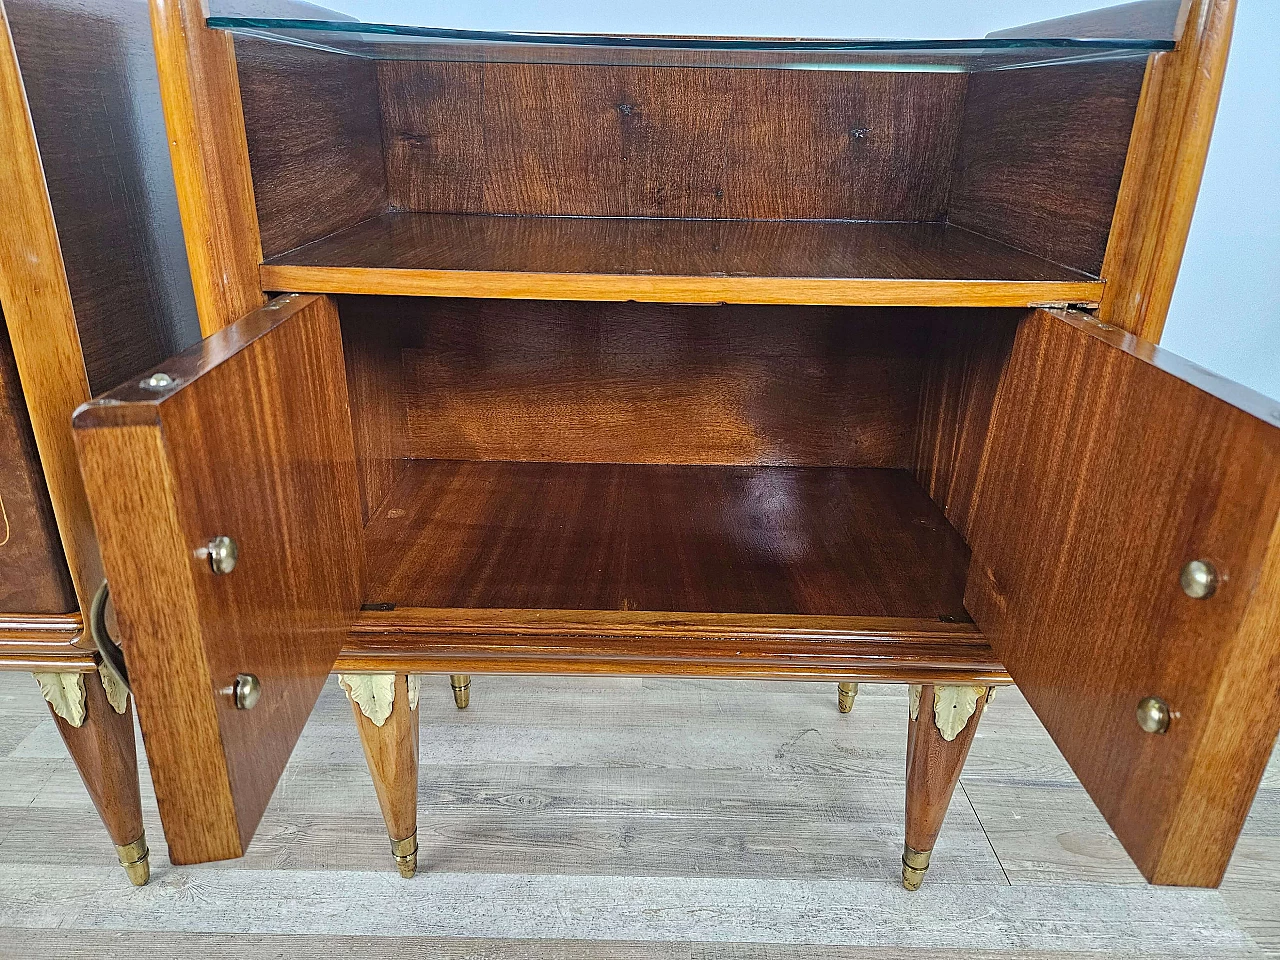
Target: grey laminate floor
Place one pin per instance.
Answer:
(626, 818)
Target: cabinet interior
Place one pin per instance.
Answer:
(737, 459)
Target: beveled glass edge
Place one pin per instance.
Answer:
(263, 27)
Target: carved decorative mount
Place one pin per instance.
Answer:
(952, 707)
(65, 694)
(375, 693)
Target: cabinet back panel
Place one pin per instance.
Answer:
(557, 139)
(633, 383)
(1041, 155)
(315, 143)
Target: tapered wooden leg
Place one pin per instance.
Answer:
(96, 724)
(943, 722)
(845, 692)
(461, 684)
(386, 711)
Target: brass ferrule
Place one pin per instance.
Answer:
(136, 859)
(461, 684)
(406, 853)
(914, 864)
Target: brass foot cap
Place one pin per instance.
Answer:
(406, 855)
(844, 699)
(914, 864)
(461, 690)
(136, 860)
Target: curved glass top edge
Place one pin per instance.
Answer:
(265, 26)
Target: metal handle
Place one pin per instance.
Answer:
(108, 649)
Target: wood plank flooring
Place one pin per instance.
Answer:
(647, 819)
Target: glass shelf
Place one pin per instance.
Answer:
(499, 32)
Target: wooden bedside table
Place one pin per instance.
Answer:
(654, 358)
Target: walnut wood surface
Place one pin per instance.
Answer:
(1109, 465)
(252, 441)
(631, 643)
(1162, 176)
(1145, 19)
(200, 94)
(34, 642)
(819, 541)
(33, 571)
(104, 752)
(636, 383)
(568, 258)
(933, 770)
(967, 355)
(1041, 156)
(391, 752)
(94, 101)
(557, 139)
(314, 138)
(41, 322)
(371, 345)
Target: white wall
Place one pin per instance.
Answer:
(1226, 309)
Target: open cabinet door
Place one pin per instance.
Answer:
(246, 436)
(1109, 466)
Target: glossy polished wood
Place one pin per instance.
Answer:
(1109, 465)
(35, 643)
(934, 765)
(817, 541)
(631, 643)
(566, 258)
(104, 752)
(391, 751)
(244, 446)
(41, 322)
(94, 99)
(201, 96)
(637, 383)
(33, 571)
(556, 139)
(967, 356)
(1162, 175)
(314, 138)
(1041, 156)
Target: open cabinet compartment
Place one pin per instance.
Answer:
(733, 468)
(897, 186)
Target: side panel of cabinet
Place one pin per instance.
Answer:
(1109, 465)
(252, 441)
(33, 572)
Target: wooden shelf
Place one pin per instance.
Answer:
(673, 261)
(812, 541)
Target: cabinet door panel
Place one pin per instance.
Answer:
(252, 440)
(1111, 464)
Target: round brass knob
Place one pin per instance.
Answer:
(247, 691)
(223, 554)
(1153, 715)
(1199, 579)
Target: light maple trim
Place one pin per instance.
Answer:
(651, 289)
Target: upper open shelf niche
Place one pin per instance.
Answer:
(660, 34)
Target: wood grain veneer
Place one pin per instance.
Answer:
(1109, 465)
(35, 642)
(96, 112)
(1167, 154)
(33, 571)
(240, 445)
(1041, 156)
(566, 258)
(200, 93)
(314, 140)
(631, 643)
(635, 383)
(558, 139)
(41, 322)
(816, 541)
